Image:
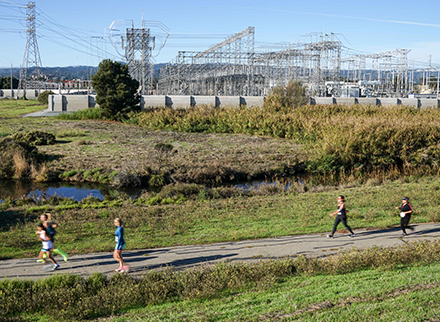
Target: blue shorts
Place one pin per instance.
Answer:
(45, 250)
(120, 248)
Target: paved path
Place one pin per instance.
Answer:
(188, 256)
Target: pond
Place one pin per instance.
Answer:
(77, 191)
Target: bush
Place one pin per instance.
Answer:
(34, 138)
(285, 98)
(44, 96)
(16, 158)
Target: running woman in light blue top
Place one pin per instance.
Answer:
(120, 245)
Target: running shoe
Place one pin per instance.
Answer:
(403, 235)
(41, 261)
(330, 236)
(55, 266)
(118, 270)
(351, 236)
(64, 257)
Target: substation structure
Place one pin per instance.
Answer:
(233, 67)
(138, 52)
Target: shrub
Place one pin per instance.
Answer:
(87, 114)
(34, 138)
(293, 95)
(44, 96)
(16, 158)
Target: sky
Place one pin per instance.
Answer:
(72, 33)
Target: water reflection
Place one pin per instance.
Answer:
(76, 191)
(10, 189)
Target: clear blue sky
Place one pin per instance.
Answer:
(72, 33)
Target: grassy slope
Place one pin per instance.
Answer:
(16, 108)
(407, 294)
(199, 222)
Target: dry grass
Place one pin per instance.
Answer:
(20, 165)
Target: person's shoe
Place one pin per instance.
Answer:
(64, 257)
(330, 236)
(403, 235)
(55, 266)
(41, 261)
(351, 236)
(118, 270)
(125, 268)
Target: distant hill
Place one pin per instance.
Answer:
(64, 73)
(85, 72)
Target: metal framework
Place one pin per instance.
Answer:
(383, 74)
(31, 58)
(138, 52)
(233, 67)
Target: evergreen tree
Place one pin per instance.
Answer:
(116, 92)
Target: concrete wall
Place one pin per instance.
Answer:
(414, 102)
(252, 101)
(367, 101)
(153, 101)
(19, 93)
(204, 100)
(178, 101)
(225, 101)
(76, 102)
(427, 103)
(322, 100)
(345, 100)
(387, 101)
(80, 102)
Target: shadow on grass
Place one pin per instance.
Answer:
(11, 218)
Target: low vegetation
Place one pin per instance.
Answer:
(188, 215)
(372, 155)
(68, 297)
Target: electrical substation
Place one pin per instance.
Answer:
(236, 67)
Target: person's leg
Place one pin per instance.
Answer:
(40, 256)
(406, 221)
(337, 221)
(60, 252)
(118, 256)
(403, 225)
(344, 221)
(49, 255)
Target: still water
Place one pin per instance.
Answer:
(77, 191)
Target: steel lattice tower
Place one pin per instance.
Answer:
(138, 55)
(31, 58)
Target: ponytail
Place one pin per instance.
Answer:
(119, 220)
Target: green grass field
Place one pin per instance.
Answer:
(392, 289)
(14, 108)
(406, 294)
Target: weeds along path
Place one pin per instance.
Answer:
(182, 257)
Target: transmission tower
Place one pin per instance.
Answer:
(138, 55)
(31, 57)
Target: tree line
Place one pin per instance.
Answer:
(5, 83)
